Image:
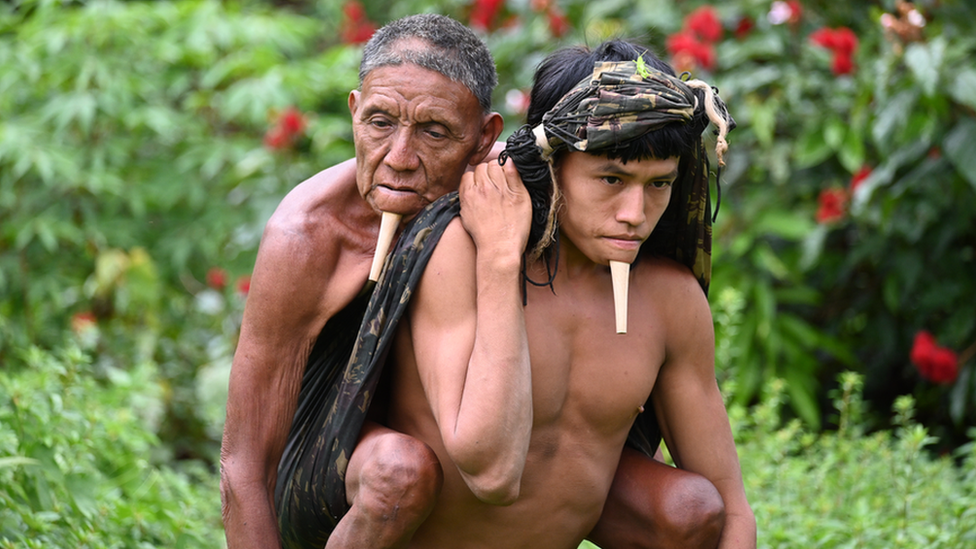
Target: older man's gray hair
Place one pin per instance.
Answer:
(449, 48)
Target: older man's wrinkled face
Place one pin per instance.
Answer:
(415, 132)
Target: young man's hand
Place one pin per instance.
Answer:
(496, 210)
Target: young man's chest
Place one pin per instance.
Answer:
(583, 372)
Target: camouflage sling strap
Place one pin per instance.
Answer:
(340, 382)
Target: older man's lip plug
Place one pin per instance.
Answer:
(620, 277)
(388, 226)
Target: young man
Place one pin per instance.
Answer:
(528, 407)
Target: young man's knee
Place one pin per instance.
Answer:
(402, 471)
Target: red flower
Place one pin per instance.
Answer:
(832, 204)
(843, 64)
(83, 321)
(743, 28)
(859, 177)
(483, 13)
(841, 41)
(357, 28)
(217, 278)
(704, 23)
(796, 11)
(558, 22)
(290, 124)
(292, 121)
(934, 363)
(845, 41)
(244, 285)
(685, 49)
(823, 37)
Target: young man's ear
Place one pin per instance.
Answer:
(490, 130)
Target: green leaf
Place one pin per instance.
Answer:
(13, 461)
(851, 153)
(963, 87)
(925, 61)
(811, 148)
(960, 148)
(892, 117)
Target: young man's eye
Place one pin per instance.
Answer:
(612, 180)
(664, 183)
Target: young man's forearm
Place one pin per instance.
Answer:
(495, 413)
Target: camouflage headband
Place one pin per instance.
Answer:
(622, 101)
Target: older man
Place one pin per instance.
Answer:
(420, 118)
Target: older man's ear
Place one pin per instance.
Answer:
(488, 145)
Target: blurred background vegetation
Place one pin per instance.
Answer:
(143, 145)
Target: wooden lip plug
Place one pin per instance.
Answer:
(620, 276)
(388, 226)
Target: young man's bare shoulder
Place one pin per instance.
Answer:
(671, 281)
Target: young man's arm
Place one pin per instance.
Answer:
(691, 410)
(468, 334)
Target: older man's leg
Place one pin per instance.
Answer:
(654, 505)
(392, 484)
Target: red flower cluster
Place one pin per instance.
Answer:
(290, 125)
(356, 28)
(833, 205)
(833, 201)
(744, 27)
(934, 363)
(483, 13)
(217, 278)
(843, 42)
(694, 44)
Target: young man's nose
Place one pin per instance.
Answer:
(402, 155)
(630, 210)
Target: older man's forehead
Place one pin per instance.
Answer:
(415, 86)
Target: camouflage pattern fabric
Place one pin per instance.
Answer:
(619, 102)
(339, 384)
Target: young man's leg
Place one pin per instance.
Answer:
(392, 484)
(654, 505)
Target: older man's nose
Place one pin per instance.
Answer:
(402, 155)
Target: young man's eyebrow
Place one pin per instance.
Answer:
(619, 168)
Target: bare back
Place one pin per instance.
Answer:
(588, 384)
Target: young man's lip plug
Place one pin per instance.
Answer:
(620, 277)
(388, 226)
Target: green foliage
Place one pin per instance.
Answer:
(132, 162)
(851, 488)
(77, 464)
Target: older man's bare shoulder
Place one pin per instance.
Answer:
(318, 202)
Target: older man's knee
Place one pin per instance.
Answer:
(695, 512)
(401, 479)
